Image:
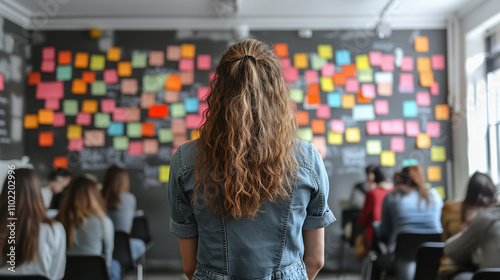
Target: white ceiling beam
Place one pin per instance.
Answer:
(15, 12)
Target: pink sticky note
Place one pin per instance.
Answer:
(211, 76)
(285, 63)
(150, 146)
(94, 138)
(108, 105)
(203, 107)
(373, 127)
(186, 64)
(323, 111)
(423, 98)
(193, 121)
(387, 63)
(433, 129)
(398, 126)
(1, 82)
(375, 58)
(327, 70)
(135, 148)
(368, 90)
(59, 119)
(386, 127)
(352, 85)
(48, 66)
(52, 104)
(406, 83)
(204, 62)
(381, 107)
(337, 126)
(75, 145)
(398, 144)
(173, 53)
(311, 76)
(435, 88)
(291, 74)
(120, 115)
(83, 118)
(437, 62)
(110, 76)
(49, 53)
(412, 128)
(203, 92)
(50, 90)
(407, 63)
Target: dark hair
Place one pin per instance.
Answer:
(480, 192)
(60, 172)
(115, 181)
(30, 214)
(370, 169)
(380, 175)
(413, 176)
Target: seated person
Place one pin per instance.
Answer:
(359, 190)
(58, 181)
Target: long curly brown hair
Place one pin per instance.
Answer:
(246, 146)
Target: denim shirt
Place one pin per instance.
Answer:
(269, 246)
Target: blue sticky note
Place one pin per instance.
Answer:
(363, 112)
(410, 108)
(191, 105)
(116, 129)
(343, 57)
(334, 100)
(409, 162)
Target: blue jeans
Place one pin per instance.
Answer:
(137, 248)
(115, 270)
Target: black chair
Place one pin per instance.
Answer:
(428, 260)
(140, 230)
(25, 277)
(349, 216)
(123, 254)
(487, 274)
(86, 267)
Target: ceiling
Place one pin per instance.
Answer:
(225, 14)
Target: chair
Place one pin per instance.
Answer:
(140, 230)
(349, 216)
(428, 260)
(487, 274)
(123, 255)
(25, 277)
(86, 267)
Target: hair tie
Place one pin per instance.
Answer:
(249, 57)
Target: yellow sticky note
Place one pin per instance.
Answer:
(440, 191)
(421, 44)
(348, 101)
(326, 84)
(188, 50)
(45, 116)
(74, 132)
(325, 51)
(423, 141)
(89, 106)
(423, 64)
(300, 60)
(195, 134)
(114, 54)
(335, 138)
(164, 173)
(434, 173)
(438, 153)
(124, 69)
(81, 60)
(387, 158)
(362, 62)
(352, 135)
(442, 112)
(30, 121)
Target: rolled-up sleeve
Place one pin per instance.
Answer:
(182, 220)
(318, 212)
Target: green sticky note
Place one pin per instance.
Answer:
(373, 147)
(409, 162)
(97, 62)
(134, 129)
(297, 95)
(120, 143)
(438, 153)
(139, 60)
(64, 73)
(440, 190)
(101, 120)
(164, 173)
(305, 134)
(317, 62)
(98, 88)
(177, 110)
(165, 135)
(70, 107)
(154, 83)
(365, 75)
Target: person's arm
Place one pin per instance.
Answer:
(57, 267)
(365, 216)
(314, 247)
(108, 239)
(189, 249)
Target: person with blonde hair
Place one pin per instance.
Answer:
(247, 199)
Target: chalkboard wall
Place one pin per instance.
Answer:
(345, 163)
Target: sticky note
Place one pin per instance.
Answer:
(177, 110)
(81, 60)
(351, 85)
(173, 82)
(423, 141)
(186, 64)
(139, 60)
(387, 63)
(191, 105)
(363, 112)
(381, 107)
(438, 153)
(203, 62)
(375, 58)
(134, 129)
(64, 73)
(135, 148)
(101, 120)
(384, 89)
(297, 95)
(75, 145)
(442, 112)
(150, 146)
(412, 128)
(34, 78)
(302, 118)
(94, 138)
(423, 64)
(342, 57)
(171, 96)
(349, 70)
(97, 62)
(434, 173)
(312, 100)
(319, 143)
(48, 53)
(365, 75)
(326, 84)
(407, 63)
(88, 76)
(79, 87)
(334, 100)
(110, 76)
(120, 115)
(384, 77)
(300, 61)
(337, 126)
(285, 62)
(387, 158)
(433, 129)
(421, 44)
(317, 62)
(187, 78)
(83, 119)
(352, 135)
(48, 66)
(398, 126)
(410, 108)
(406, 84)
(318, 126)
(438, 62)
(373, 127)
(45, 116)
(325, 51)
(348, 101)
(50, 90)
(59, 119)
(188, 50)
(339, 79)
(435, 88)
(368, 90)
(423, 99)
(202, 93)
(124, 69)
(281, 49)
(114, 54)
(373, 147)
(115, 129)
(30, 121)
(327, 70)
(398, 144)
(291, 74)
(194, 121)
(120, 143)
(129, 86)
(362, 62)
(163, 173)
(165, 135)
(323, 111)
(89, 106)
(147, 100)
(311, 76)
(156, 58)
(305, 134)
(440, 190)
(60, 162)
(158, 111)
(132, 114)
(74, 131)
(98, 88)
(335, 138)
(154, 83)
(409, 162)
(107, 105)
(52, 104)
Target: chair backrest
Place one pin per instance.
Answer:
(140, 229)
(428, 260)
(24, 277)
(121, 251)
(86, 267)
(351, 215)
(487, 274)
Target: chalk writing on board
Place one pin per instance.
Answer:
(133, 161)
(151, 177)
(383, 46)
(353, 156)
(165, 153)
(129, 101)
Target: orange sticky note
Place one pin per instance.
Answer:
(281, 49)
(349, 70)
(34, 78)
(348, 101)
(45, 116)
(79, 86)
(114, 54)
(302, 118)
(173, 83)
(423, 141)
(313, 89)
(434, 173)
(195, 134)
(88, 77)
(188, 50)
(60, 162)
(300, 60)
(339, 79)
(313, 99)
(64, 57)
(158, 111)
(30, 121)
(318, 126)
(362, 99)
(426, 79)
(421, 44)
(124, 69)
(45, 139)
(89, 106)
(442, 112)
(423, 64)
(148, 129)
(81, 60)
